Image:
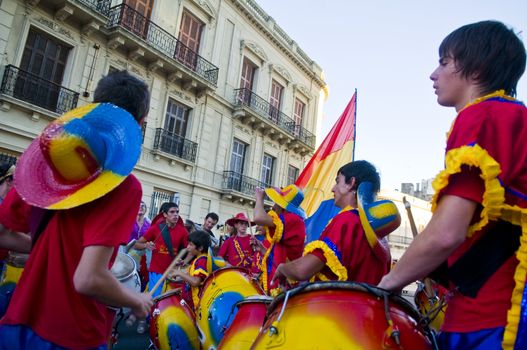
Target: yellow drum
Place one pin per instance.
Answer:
(221, 290)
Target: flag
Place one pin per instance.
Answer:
(318, 177)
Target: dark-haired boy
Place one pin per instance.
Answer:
(481, 195)
(198, 246)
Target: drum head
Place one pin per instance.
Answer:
(123, 266)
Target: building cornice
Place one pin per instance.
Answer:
(277, 35)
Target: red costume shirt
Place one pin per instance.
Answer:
(488, 130)
(197, 268)
(344, 249)
(161, 258)
(45, 298)
(287, 243)
(237, 251)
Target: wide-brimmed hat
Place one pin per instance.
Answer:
(79, 157)
(239, 217)
(378, 218)
(288, 198)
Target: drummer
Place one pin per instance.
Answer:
(198, 246)
(284, 228)
(343, 251)
(238, 250)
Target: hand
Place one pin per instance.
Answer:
(279, 276)
(259, 193)
(386, 283)
(257, 245)
(150, 245)
(143, 305)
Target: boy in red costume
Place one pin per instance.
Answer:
(480, 203)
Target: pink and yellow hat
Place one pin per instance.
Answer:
(79, 157)
(288, 198)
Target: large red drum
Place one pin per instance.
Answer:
(247, 323)
(172, 323)
(341, 315)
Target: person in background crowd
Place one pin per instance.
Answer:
(165, 240)
(208, 224)
(238, 249)
(198, 246)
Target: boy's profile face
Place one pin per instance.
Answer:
(451, 88)
(192, 249)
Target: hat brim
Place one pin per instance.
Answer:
(232, 221)
(280, 201)
(39, 185)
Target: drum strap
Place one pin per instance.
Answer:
(166, 237)
(470, 272)
(38, 220)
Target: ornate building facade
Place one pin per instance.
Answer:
(234, 101)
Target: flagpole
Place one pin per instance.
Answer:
(354, 129)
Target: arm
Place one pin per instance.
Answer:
(93, 278)
(444, 233)
(260, 215)
(142, 244)
(194, 281)
(300, 269)
(16, 241)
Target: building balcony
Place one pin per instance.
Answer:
(239, 187)
(144, 40)
(174, 146)
(253, 110)
(91, 15)
(21, 86)
(400, 240)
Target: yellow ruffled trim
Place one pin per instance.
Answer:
(191, 272)
(499, 93)
(332, 261)
(494, 195)
(276, 237)
(516, 216)
(279, 228)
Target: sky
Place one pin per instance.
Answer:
(387, 51)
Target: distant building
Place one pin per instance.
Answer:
(234, 105)
(423, 190)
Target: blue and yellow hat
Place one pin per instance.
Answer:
(288, 198)
(378, 218)
(79, 157)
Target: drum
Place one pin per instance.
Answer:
(13, 267)
(124, 269)
(172, 325)
(246, 325)
(220, 292)
(432, 308)
(341, 315)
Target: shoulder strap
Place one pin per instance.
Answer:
(38, 220)
(166, 237)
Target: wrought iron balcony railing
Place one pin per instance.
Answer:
(245, 97)
(133, 21)
(35, 90)
(241, 183)
(398, 239)
(101, 6)
(176, 145)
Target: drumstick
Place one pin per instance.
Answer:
(429, 289)
(250, 227)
